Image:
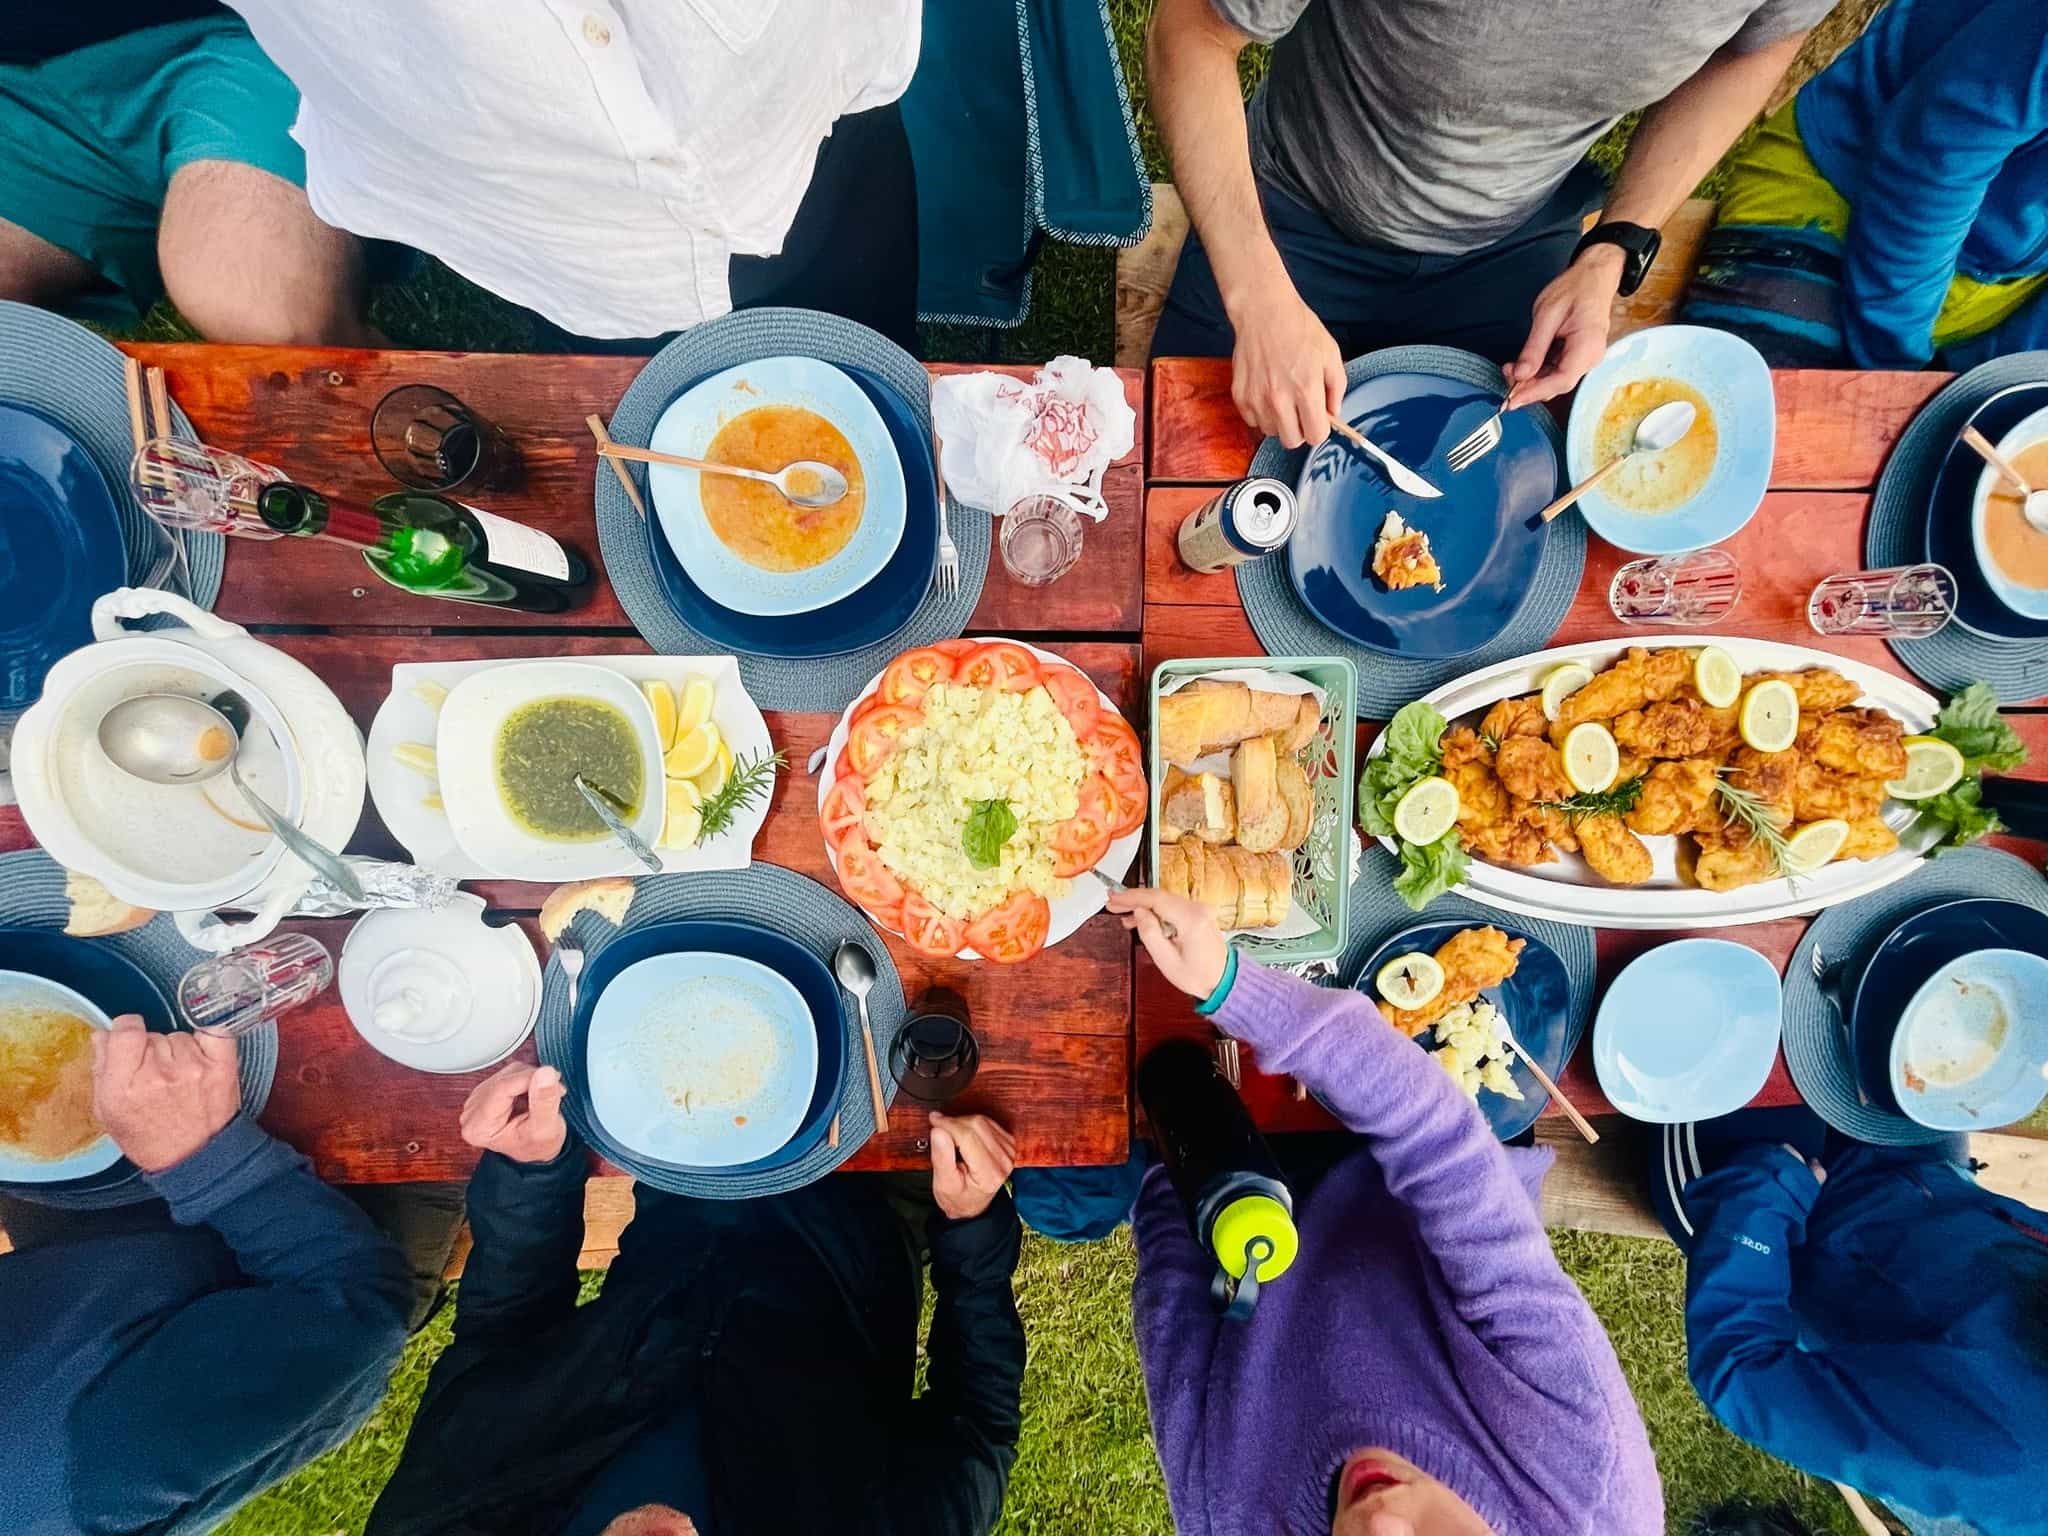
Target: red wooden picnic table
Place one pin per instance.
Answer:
(1055, 1033)
(1835, 431)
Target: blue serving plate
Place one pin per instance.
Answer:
(1689, 1030)
(789, 959)
(60, 548)
(872, 613)
(1537, 1000)
(1949, 508)
(1482, 530)
(1904, 958)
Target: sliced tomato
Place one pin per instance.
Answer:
(869, 703)
(1000, 664)
(842, 768)
(868, 880)
(845, 810)
(871, 742)
(1127, 812)
(1113, 752)
(929, 930)
(955, 649)
(911, 676)
(1077, 699)
(1012, 932)
(1079, 842)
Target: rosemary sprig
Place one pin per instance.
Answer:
(1617, 800)
(750, 779)
(1489, 741)
(1761, 818)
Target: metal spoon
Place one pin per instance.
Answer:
(2033, 503)
(167, 738)
(1657, 431)
(635, 844)
(855, 968)
(805, 483)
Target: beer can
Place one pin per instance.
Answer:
(1249, 519)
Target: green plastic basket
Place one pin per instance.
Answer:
(1321, 865)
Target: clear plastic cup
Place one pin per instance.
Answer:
(231, 994)
(1697, 588)
(1901, 602)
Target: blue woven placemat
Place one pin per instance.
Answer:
(1285, 626)
(32, 896)
(799, 683)
(795, 907)
(2016, 669)
(1825, 1077)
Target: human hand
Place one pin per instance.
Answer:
(1179, 934)
(493, 1120)
(162, 1097)
(1811, 1164)
(1286, 374)
(1570, 318)
(971, 1157)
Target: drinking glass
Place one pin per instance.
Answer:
(935, 1055)
(1041, 540)
(1901, 602)
(189, 486)
(431, 441)
(1691, 589)
(231, 994)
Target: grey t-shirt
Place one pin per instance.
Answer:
(1440, 126)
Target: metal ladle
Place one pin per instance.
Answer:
(167, 738)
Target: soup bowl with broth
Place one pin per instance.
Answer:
(48, 1131)
(2011, 552)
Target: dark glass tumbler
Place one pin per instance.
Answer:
(431, 441)
(934, 1055)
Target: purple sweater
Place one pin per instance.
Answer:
(1426, 1314)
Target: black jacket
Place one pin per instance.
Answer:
(793, 1318)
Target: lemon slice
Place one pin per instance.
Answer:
(695, 750)
(1717, 678)
(430, 693)
(1560, 683)
(1813, 845)
(683, 820)
(712, 779)
(662, 700)
(696, 706)
(1932, 765)
(1770, 716)
(417, 756)
(1410, 981)
(1591, 759)
(1427, 811)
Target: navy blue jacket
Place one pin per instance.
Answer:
(1875, 1330)
(151, 1382)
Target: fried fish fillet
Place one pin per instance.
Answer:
(1486, 816)
(1673, 728)
(1461, 745)
(1473, 960)
(1730, 857)
(1823, 794)
(1676, 798)
(1641, 677)
(1615, 854)
(1820, 690)
(1862, 743)
(1515, 717)
(1530, 767)
(1771, 776)
(1869, 838)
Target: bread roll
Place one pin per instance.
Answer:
(608, 898)
(1307, 720)
(1177, 727)
(1274, 713)
(1226, 712)
(1301, 803)
(1172, 874)
(97, 911)
(1252, 768)
(1200, 803)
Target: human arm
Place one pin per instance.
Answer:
(1287, 375)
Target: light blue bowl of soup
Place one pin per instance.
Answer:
(2011, 552)
(1972, 1046)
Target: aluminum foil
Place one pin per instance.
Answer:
(385, 884)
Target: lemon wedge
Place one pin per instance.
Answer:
(695, 750)
(1410, 981)
(1932, 765)
(1592, 762)
(712, 779)
(1717, 678)
(696, 707)
(682, 821)
(1560, 683)
(662, 700)
(1770, 716)
(1427, 811)
(430, 693)
(417, 756)
(1814, 844)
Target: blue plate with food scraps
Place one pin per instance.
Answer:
(1688, 1031)
(1950, 512)
(1536, 1001)
(60, 548)
(1972, 1044)
(871, 614)
(1900, 963)
(1482, 529)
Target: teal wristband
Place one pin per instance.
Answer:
(1215, 1000)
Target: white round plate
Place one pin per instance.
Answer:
(497, 961)
(19, 987)
(1688, 1031)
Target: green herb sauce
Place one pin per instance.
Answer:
(543, 745)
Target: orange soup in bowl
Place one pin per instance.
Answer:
(2016, 546)
(753, 520)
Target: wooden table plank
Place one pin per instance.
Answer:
(307, 411)
(1834, 429)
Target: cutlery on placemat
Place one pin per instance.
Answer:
(855, 968)
(571, 955)
(1829, 979)
(1404, 478)
(634, 843)
(946, 574)
(806, 483)
(149, 418)
(1481, 440)
(603, 435)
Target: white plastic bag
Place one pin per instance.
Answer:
(1002, 439)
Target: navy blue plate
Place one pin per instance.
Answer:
(1914, 951)
(1949, 540)
(1537, 1000)
(804, 971)
(1481, 530)
(60, 547)
(865, 617)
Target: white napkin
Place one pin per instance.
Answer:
(1002, 439)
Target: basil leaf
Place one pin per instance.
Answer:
(990, 824)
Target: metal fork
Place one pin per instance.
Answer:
(571, 956)
(1481, 440)
(946, 578)
(1829, 979)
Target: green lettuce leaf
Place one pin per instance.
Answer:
(989, 825)
(1961, 814)
(1427, 871)
(1412, 751)
(1970, 723)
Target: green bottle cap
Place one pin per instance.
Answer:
(1248, 1220)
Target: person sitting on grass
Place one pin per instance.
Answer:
(161, 1363)
(1425, 1368)
(1897, 207)
(1871, 1315)
(749, 1364)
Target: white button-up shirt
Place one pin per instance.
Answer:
(598, 162)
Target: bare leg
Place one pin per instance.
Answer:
(33, 271)
(245, 259)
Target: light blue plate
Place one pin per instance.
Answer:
(654, 1036)
(2028, 602)
(1688, 1031)
(21, 989)
(693, 419)
(1976, 1038)
(1733, 378)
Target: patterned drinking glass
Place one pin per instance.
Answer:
(189, 486)
(1688, 590)
(1041, 540)
(1901, 602)
(231, 994)
(427, 439)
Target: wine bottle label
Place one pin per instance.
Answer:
(521, 547)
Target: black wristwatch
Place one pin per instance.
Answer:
(1639, 247)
